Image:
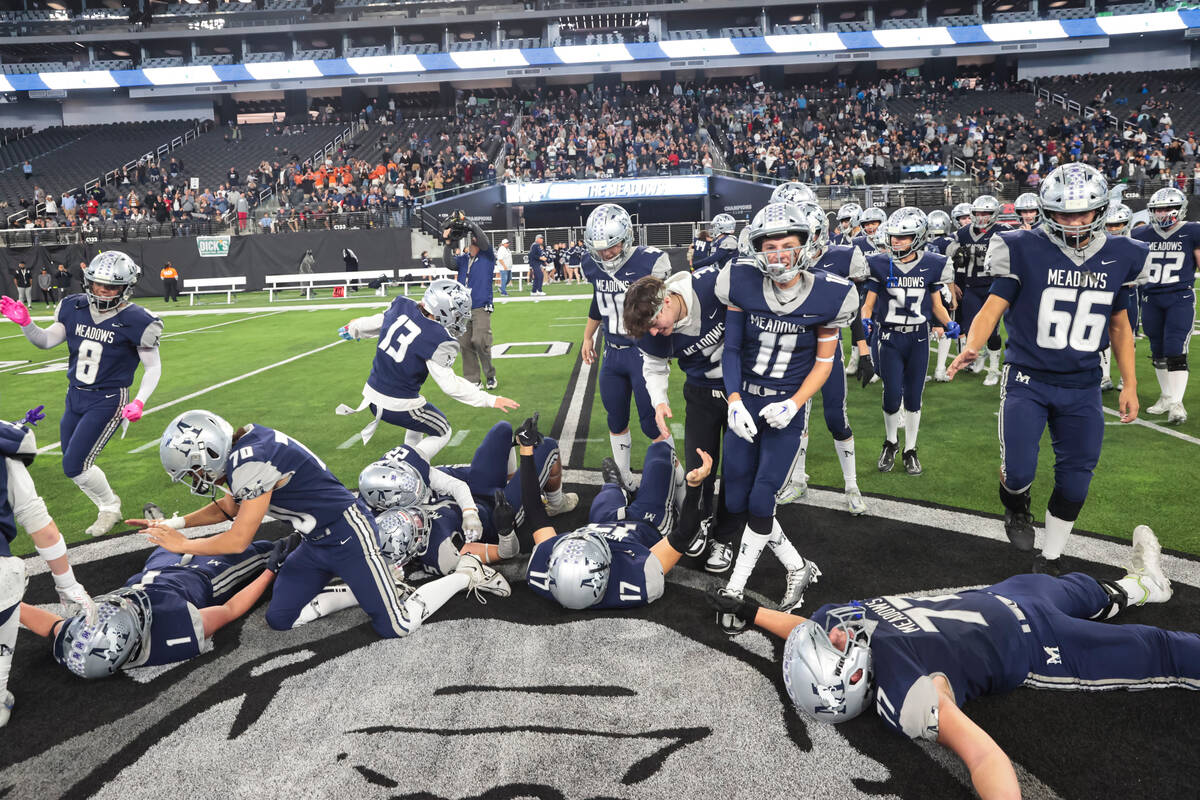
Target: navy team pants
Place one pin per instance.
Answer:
(1072, 651)
(1167, 319)
(348, 549)
(655, 500)
(903, 362)
(973, 298)
(425, 419)
(754, 471)
(620, 377)
(833, 400)
(88, 422)
(1076, 422)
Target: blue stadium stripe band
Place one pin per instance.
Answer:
(813, 43)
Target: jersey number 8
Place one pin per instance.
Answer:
(87, 361)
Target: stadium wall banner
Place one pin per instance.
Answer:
(574, 191)
(212, 246)
(484, 206)
(738, 197)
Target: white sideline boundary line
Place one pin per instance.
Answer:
(566, 442)
(221, 385)
(1155, 427)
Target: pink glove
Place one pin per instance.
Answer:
(133, 411)
(15, 310)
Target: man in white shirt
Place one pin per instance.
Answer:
(504, 263)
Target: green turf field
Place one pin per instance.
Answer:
(1145, 473)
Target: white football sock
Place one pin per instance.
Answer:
(845, 454)
(1057, 531)
(329, 601)
(430, 446)
(943, 353)
(8, 640)
(891, 425)
(748, 554)
(798, 474)
(509, 546)
(622, 443)
(783, 548)
(1177, 380)
(94, 484)
(1164, 383)
(431, 596)
(555, 497)
(993, 360)
(912, 425)
(512, 462)
(1106, 362)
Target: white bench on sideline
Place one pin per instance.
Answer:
(195, 286)
(421, 277)
(307, 281)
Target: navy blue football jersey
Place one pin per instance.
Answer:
(939, 244)
(974, 244)
(178, 586)
(841, 239)
(16, 442)
(720, 252)
(608, 295)
(1172, 263)
(407, 340)
(635, 576)
(697, 344)
(907, 289)
(973, 638)
(864, 243)
(104, 353)
(311, 497)
(779, 338)
(845, 262)
(1059, 309)
(445, 536)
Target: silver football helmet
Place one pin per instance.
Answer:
(402, 534)
(609, 225)
(1071, 189)
(781, 219)
(1119, 220)
(579, 567)
(871, 215)
(961, 214)
(116, 634)
(111, 268)
(383, 486)
(723, 223)
(823, 681)
(1167, 207)
(818, 223)
(985, 212)
(847, 216)
(449, 303)
(793, 192)
(940, 223)
(907, 221)
(197, 445)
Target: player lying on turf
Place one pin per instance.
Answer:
(459, 501)
(417, 341)
(21, 505)
(166, 613)
(619, 559)
(266, 470)
(919, 658)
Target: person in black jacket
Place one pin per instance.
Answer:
(23, 278)
(351, 260)
(62, 282)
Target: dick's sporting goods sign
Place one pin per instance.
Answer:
(212, 245)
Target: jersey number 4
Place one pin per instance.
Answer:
(398, 337)
(1081, 327)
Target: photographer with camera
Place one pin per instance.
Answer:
(476, 267)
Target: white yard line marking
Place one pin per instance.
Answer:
(566, 442)
(350, 442)
(677, 432)
(1155, 427)
(458, 437)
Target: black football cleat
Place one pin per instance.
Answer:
(912, 465)
(1018, 526)
(610, 472)
(887, 459)
(1049, 566)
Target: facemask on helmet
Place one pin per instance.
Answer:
(1119, 220)
(776, 222)
(115, 636)
(1073, 189)
(196, 445)
(579, 568)
(402, 534)
(939, 223)
(723, 224)
(383, 486)
(1167, 207)
(608, 226)
(112, 270)
(827, 682)
(905, 222)
(449, 304)
(985, 211)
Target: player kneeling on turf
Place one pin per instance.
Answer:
(611, 564)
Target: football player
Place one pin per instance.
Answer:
(619, 559)
(869, 243)
(909, 277)
(781, 340)
(845, 262)
(611, 265)
(917, 660)
(940, 228)
(723, 247)
(107, 338)
(417, 341)
(266, 470)
(574, 258)
(961, 214)
(1026, 207)
(971, 280)
(847, 224)
(164, 614)
(1168, 298)
(1061, 289)
(682, 318)
(939, 231)
(21, 505)
(1118, 222)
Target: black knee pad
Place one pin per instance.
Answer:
(1117, 600)
(1176, 363)
(994, 342)
(761, 525)
(1159, 363)
(1016, 502)
(1063, 508)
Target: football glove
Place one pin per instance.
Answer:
(528, 435)
(133, 411)
(15, 311)
(280, 552)
(472, 526)
(953, 329)
(347, 334)
(76, 595)
(866, 370)
(32, 417)
(741, 422)
(869, 326)
(779, 415)
(726, 603)
(504, 516)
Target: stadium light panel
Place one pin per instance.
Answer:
(484, 59)
(368, 65)
(914, 37)
(282, 70)
(1025, 31)
(805, 43)
(697, 48)
(1141, 23)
